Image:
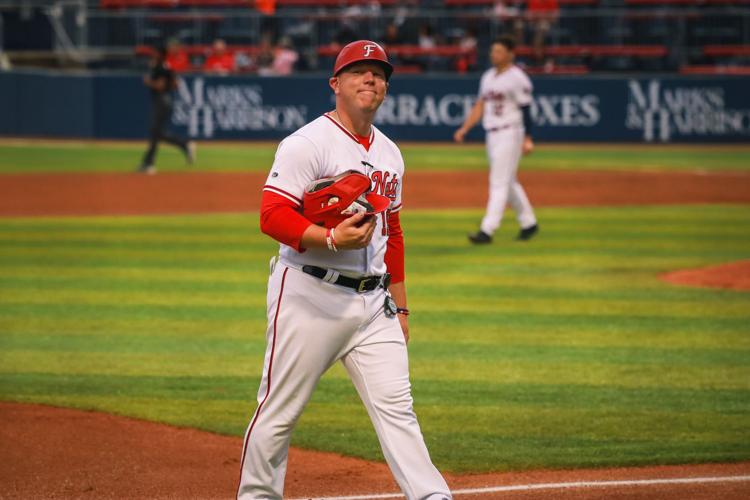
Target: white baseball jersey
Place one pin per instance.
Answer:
(504, 94)
(324, 148)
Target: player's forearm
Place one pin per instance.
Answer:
(398, 292)
(314, 237)
(474, 116)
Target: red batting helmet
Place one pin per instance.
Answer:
(362, 50)
(329, 201)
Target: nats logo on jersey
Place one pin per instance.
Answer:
(369, 48)
(385, 183)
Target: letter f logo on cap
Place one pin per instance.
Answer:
(362, 50)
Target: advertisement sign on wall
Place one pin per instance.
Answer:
(564, 109)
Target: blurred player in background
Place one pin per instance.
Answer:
(162, 81)
(503, 106)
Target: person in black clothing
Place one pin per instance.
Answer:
(162, 80)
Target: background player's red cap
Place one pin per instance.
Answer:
(362, 50)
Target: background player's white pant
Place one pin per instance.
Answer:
(311, 325)
(504, 153)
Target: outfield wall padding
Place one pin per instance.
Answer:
(565, 109)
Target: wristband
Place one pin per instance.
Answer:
(331, 241)
(402, 310)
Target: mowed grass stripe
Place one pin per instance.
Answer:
(551, 344)
(431, 392)
(726, 334)
(258, 157)
(186, 295)
(435, 351)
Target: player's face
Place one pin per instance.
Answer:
(500, 55)
(362, 85)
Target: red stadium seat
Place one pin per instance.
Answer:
(598, 50)
(726, 50)
(714, 70)
(686, 2)
(467, 3)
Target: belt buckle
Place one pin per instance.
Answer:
(362, 284)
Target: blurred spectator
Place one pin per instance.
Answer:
(177, 57)
(427, 40)
(508, 14)
(220, 61)
(346, 33)
(266, 56)
(4, 61)
(392, 35)
(404, 10)
(542, 14)
(285, 58)
(267, 7)
(468, 43)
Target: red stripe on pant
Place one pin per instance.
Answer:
(268, 386)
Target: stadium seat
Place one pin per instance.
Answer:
(709, 69)
(727, 50)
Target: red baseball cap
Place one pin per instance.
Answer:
(362, 50)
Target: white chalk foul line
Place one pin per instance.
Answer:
(553, 486)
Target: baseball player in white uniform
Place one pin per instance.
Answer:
(329, 296)
(503, 105)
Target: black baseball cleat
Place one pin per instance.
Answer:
(480, 237)
(527, 233)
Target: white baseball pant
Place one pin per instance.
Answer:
(504, 153)
(311, 325)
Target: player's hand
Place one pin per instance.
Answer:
(459, 134)
(528, 145)
(404, 321)
(355, 231)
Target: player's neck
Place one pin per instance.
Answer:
(503, 67)
(359, 127)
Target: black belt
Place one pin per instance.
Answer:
(366, 284)
(495, 129)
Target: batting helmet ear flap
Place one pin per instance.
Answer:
(328, 201)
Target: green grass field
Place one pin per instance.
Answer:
(24, 156)
(567, 351)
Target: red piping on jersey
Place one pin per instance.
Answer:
(283, 193)
(268, 386)
(352, 136)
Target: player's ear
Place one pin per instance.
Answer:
(333, 82)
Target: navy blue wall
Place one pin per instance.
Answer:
(570, 109)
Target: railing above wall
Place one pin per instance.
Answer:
(586, 36)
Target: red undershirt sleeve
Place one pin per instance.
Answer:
(394, 253)
(280, 220)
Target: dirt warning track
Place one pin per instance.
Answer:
(62, 453)
(201, 192)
